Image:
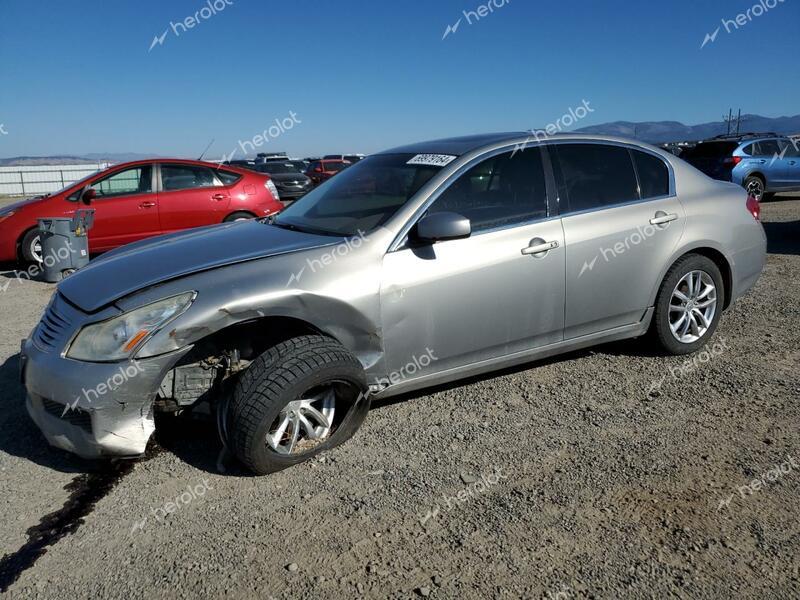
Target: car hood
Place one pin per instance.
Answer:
(25, 203)
(147, 263)
(284, 177)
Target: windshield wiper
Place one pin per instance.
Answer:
(298, 228)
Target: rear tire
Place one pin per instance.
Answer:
(239, 216)
(755, 186)
(684, 326)
(301, 397)
(30, 247)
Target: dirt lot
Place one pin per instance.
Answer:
(606, 473)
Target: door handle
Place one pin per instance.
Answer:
(538, 246)
(147, 205)
(791, 162)
(762, 161)
(662, 218)
(219, 196)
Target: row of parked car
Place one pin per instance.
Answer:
(142, 199)
(762, 163)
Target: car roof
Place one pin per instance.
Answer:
(185, 161)
(462, 145)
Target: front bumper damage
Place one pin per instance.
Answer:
(92, 409)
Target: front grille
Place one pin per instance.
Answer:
(75, 416)
(54, 327)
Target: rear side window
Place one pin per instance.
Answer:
(185, 177)
(653, 174)
(749, 150)
(504, 190)
(768, 148)
(228, 177)
(591, 176)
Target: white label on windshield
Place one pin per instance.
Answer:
(432, 160)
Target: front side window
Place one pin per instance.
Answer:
(504, 190)
(185, 177)
(653, 174)
(592, 176)
(360, 199)
(122, 183)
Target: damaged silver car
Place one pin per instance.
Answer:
(414, 267)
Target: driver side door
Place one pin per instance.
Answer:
(467, 300)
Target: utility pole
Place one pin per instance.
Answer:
(738, 121)
(728, 120)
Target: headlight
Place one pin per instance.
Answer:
(272, 189)
(120, 337)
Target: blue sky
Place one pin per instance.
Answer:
(361, 75)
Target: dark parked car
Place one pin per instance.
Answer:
(291, 183)
(322, 170)
(242, 164)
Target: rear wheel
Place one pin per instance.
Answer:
(755, 186)
(689, 305)
(30, 247)
(239, 216)
(299, 398)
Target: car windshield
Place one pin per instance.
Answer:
(276, 167)
(361, 198)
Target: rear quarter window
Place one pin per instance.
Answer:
(228, 177)
(653, 174)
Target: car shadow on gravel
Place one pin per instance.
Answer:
(783, 237)
(638, 347)
(19, 435)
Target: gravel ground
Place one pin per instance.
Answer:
(604, 473)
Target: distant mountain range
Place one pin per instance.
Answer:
(654, 132)
(659, 132)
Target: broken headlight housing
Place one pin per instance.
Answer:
(118, 338)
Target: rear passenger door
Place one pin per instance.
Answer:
(622, 221)
(190, 196)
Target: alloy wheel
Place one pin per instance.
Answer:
(36, 249)
(692, 306)
(756, 188)
(305, 423)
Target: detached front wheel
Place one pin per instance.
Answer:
(299, 398)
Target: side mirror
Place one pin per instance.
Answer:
(441, 226)
(87, 195)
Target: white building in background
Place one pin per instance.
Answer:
(43, 179)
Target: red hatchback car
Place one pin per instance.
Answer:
(140, 199)
(322, 170)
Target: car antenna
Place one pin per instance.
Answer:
(206, 150)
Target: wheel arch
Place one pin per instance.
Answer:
(716, 256)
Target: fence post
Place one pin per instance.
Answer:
(22, 182)
(62, 177)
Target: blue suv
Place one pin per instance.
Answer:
(761, 163)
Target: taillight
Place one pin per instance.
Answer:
(753, 207)
(732, 160)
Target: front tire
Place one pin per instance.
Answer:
(30, 248)
(238, 216)
(689, 305)
(301, 397)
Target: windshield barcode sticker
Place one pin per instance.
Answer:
(432, 160)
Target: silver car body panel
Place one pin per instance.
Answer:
(474, 305)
